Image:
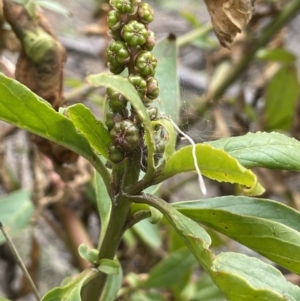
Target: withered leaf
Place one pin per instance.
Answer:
(41, 61)
(40, 67)
(229, 17)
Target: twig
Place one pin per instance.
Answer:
(20, 262)
(284, 16)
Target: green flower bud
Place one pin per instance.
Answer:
(146, 63)
(150, 41)
(147, 101)
(115, 34)
(115, 154)
(134, 33)
(113, 20)
(117, 54)
(116, 70)
(152, 112)
(145, 13)
(109, 120)
(152, 88)
(125, 135)
(139, 83)
(112, 118)
(116, 101)
(124, 6)
(117, 105)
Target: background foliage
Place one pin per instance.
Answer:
(160, 261)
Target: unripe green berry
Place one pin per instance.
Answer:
(125, 135)
(124, 6)
(115, 154)
(152, 112)
(116, 34)
(152, 88)
(139, 83)
(147, 101)
(116, 70)
(117, 105)
(134, 33)
(145, 13)
(113, 20)
(116, 101)
(117, 54)
(146, 63)
(150, 41)
(109, 119)
(112, 118)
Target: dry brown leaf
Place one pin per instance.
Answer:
(229, 17)
(40, 67)
(41, 61)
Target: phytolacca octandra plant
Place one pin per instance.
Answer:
(133, 41)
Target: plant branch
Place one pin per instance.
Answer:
(284, 16)
(289, 12)
(92, 290)
(137, 217)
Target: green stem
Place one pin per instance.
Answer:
(93, 289)
(193, 34)
(137, 217)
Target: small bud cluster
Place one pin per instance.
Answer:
(133, 41)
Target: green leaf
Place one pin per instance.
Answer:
(238, 276)
(167, 75)
(24, 109)
(171, 138)
(148, 233)
(54, 6)
(90, 255)
(91, 128)
(281, 96)
(270, 228)
(104, 205)
(140, 295)
(123, 86)
(194, 236)
(276, 55)
(112, 286)
(156, 216)
(71, 291)
(171, 271)
(21, 107)
(110, 267)
(214, 163)
(270, 150)
(4, 299)
(203, 289)
(31, 9)
(248, 279)
(16, 210)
